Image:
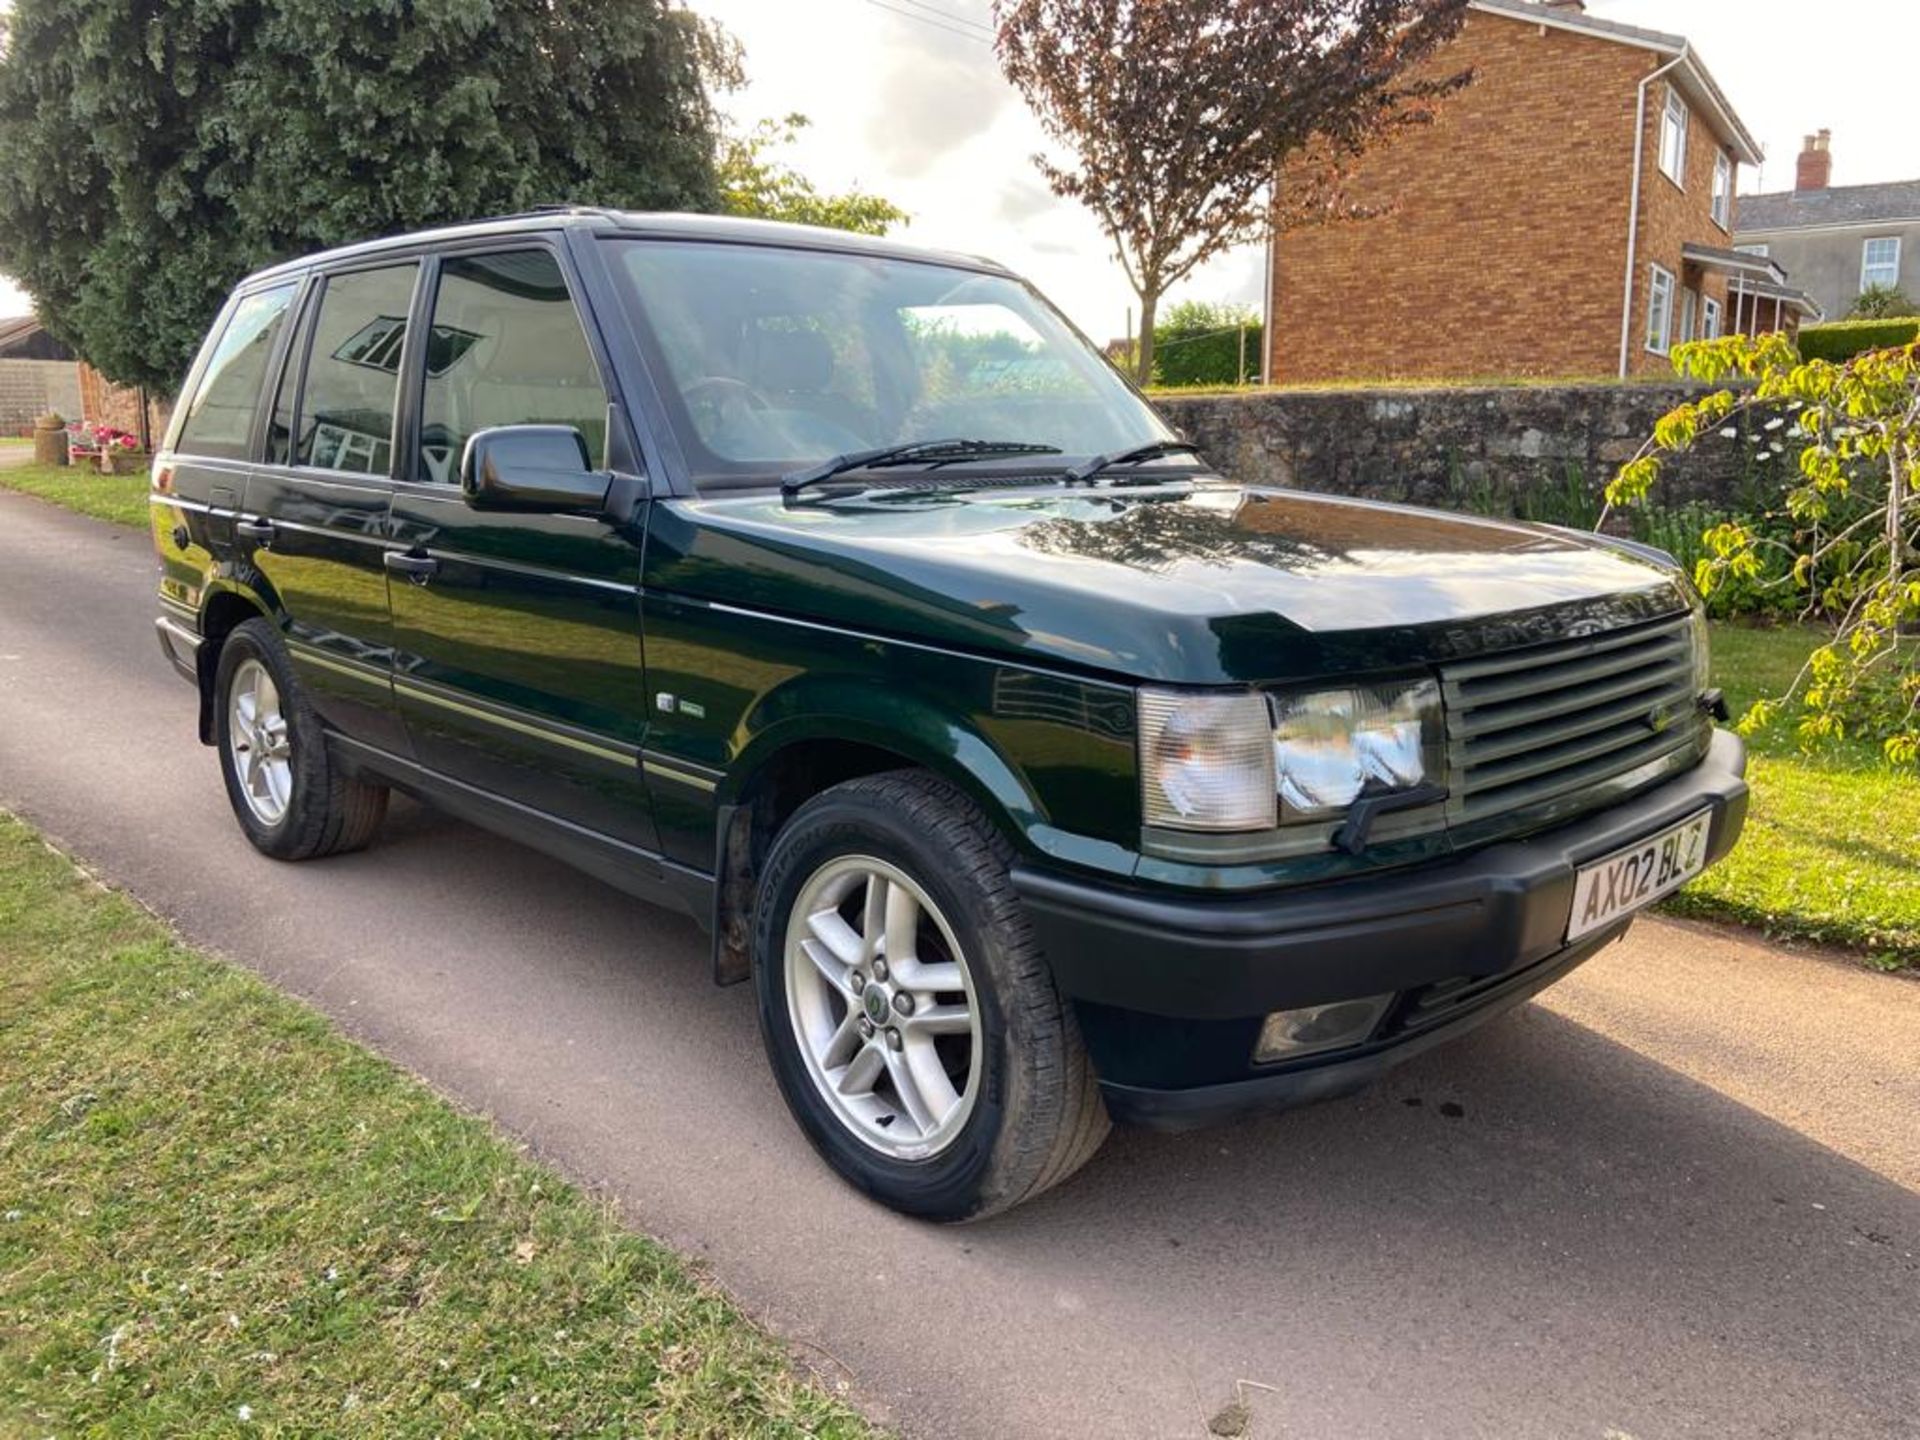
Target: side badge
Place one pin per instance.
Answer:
(670, 703)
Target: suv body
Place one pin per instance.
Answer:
(960, 755)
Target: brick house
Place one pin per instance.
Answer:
(1570, 213)
(1836, 240)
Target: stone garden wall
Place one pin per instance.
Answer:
(1522, 449)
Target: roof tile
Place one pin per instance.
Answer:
(1835, 205)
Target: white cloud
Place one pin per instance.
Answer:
(1790, 69)
(923, 116)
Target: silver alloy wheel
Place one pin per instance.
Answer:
(883, 1007)
(258, 736)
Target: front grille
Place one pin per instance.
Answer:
(1535, 727)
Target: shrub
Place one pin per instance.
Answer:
(1680, 530)
(1200, 344)
(1882, 302)
(1843, 339)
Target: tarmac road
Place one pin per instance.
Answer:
(1678, 1196)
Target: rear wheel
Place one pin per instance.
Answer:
(288, 795)
(911, 1021)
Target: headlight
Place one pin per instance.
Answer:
(1206, 761)
(1329, 745)
(1702, 661)
(1219, 762)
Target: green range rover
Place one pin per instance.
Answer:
(841, 595)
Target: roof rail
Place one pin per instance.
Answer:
(569, 207)
(605, 212)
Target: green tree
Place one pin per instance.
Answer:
(153, 151)
(1882, 302)
(1856, 549)
(1202, 344)
(753, 183)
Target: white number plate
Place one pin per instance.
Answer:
(1622, 882)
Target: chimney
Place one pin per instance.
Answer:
(1815, 169)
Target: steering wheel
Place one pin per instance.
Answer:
(716, 394)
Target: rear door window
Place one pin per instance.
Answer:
(505, 348)
(348, 401)
(219, 418)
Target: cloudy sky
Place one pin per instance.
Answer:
(906, 100)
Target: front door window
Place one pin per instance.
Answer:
(506, 348)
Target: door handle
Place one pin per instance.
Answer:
(417, 568)
(258, 531)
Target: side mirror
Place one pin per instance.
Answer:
(539, 469)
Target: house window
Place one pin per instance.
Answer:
(1759, 250)
(1673, 138)
(1689, 302)
(1709, 319)
(1723, 191)
(1880, 262)
(1660, 312)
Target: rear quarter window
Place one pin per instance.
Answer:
(219, 416)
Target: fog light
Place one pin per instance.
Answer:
(1289, 1034)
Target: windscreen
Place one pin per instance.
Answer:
(776, 358)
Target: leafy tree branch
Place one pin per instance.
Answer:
(754, 182)
(1857, 518)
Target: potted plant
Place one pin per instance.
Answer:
(120, 452)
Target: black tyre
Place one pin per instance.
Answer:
(943, 1075)
(286, 791)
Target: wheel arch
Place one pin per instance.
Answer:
(801, 754)
(225, 608)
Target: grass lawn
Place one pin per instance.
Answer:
(120, 498)
(1832, 846)
(217, 1216)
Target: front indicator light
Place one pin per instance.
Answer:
(1206, 761)
(1289, 1034)
(1699, 648)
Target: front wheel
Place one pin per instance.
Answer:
(912, 1024)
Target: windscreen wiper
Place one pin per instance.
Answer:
(928, 452)
(1152, 450)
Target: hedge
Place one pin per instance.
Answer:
(1200, 344)
(1845, 338)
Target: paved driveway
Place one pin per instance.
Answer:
(1680, 1196)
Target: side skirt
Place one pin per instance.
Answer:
(639, 873)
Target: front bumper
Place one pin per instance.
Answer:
(1171, 991)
